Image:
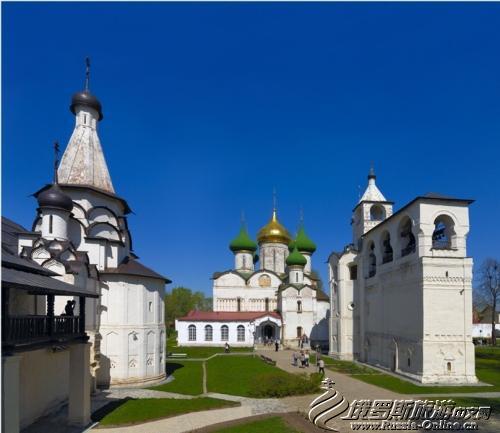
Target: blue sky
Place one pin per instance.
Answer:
(207, 107)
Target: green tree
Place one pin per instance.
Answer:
(180, 301)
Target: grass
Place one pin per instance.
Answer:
(133, 411)
(487, 370)
(205, 352)
(268, 425)
(244, 376)
(188, 378)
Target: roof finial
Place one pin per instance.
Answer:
(56, 160)
(243, 222)
(274, 199)
(301, 216)
(87, 73)
(371, 173)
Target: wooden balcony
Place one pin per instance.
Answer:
(27, 330)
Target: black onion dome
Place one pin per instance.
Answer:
(86, 99)
(54, 197)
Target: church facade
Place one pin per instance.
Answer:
(401, 292)
(81, 233)
(270, 294)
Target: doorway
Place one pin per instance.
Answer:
(268, 332)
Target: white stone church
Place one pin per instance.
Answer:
(81, 233)
(401, 294)
(278, 301)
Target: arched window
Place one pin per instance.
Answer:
(224, 333)
(448, 367)
(372, 261)
(267, 304)
(238, 304)
(377, 213)
(51, 223)
(407, 238)
(244, 262)
(208, 333)
(299, 331)
(240, 333)
(192, 333)
(353, 272)
(387, 254)
(299, 306)
(444, 233)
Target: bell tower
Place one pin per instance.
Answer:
(372, 209)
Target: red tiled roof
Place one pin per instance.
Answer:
(226, 316)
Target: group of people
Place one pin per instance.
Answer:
(303, 357)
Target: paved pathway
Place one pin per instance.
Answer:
(348, 386)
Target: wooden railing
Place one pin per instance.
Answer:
(19, 329)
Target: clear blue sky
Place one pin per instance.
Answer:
(208, 106)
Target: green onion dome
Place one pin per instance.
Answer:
(242, 242)
(295, 258)
(304, 243)
(291, 245)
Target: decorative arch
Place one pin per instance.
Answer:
(407, 238)
(444, 236)
(104, 230)
(372, 259)
(192, 332)
(377, 212)
(54, 266)
(386, 247)
(102, 214)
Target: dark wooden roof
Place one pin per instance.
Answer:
(38, 284)
(131, 266)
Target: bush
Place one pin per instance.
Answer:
(281, 384)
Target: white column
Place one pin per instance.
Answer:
(10, 394)
(79, 384)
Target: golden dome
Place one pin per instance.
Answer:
(274, 232)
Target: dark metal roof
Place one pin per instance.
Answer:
(40, 284)
(54, 197)
(86, 99)
(131, 266)
(126, 208)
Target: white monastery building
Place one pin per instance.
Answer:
(268, 296)
(81, 233)
(401, 294)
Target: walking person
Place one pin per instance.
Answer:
(226, 348)
(307, 358)
(294, 359)
(302, 359)
(276, 345)
(321, 367)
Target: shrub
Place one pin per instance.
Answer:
(281, 384)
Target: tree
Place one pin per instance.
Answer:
(488, 287)
(180, 301)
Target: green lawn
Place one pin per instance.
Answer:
(249, 376)
(205, 352)
(234, 375)
(269, 425)
(133, 411)
(487, 370)
(188, 378)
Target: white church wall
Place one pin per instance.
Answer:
(133, 319)
(44, 383)
(182, 328)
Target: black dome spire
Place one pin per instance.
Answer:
(85, 98)
(53, 196)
